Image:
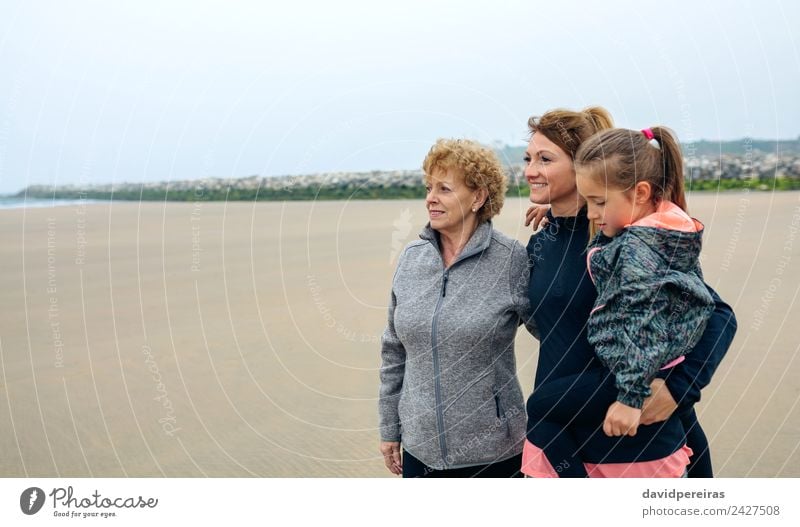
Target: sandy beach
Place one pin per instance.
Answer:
(241, 339)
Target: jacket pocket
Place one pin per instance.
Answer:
(466, 390)
(498, 405)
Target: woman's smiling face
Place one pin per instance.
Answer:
(551, 175)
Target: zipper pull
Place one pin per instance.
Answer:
(444, 284)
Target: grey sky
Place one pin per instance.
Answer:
(146, 91)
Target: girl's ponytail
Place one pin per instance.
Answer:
(672, 162)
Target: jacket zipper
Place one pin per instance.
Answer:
(437, 386)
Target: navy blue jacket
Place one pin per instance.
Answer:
(562, 296)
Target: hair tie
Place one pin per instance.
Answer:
(651, 138)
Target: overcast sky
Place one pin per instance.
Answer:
(148, 91)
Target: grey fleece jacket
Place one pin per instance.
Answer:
(449, 389)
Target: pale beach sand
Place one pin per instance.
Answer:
(243, 340)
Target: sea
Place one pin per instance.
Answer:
(7, 202)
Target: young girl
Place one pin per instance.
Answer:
(652, 305)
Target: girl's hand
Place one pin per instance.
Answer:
(621, 420)
(537, 214)
(391, 456)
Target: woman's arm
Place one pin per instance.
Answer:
(519, 278)
(393, 358)
(393, 367)
(686, 380)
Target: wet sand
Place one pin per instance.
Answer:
(236, 339)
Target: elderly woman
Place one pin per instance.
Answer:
(449, 390)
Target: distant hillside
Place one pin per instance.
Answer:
(511, 155)
(743, 146)
(762, 165)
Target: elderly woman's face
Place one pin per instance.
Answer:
(449, 200)
(549, 172)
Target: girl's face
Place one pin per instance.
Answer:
(551, 176)
(609, 208)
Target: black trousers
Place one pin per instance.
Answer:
(700, 462)
(581, 399)
(584, 399)
(508, 468)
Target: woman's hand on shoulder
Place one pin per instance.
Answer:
(537, 215)
(621, 420)
(391, 456)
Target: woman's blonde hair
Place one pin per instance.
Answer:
(569, 129)
(478, 166)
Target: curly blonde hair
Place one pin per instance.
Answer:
(479, 167)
